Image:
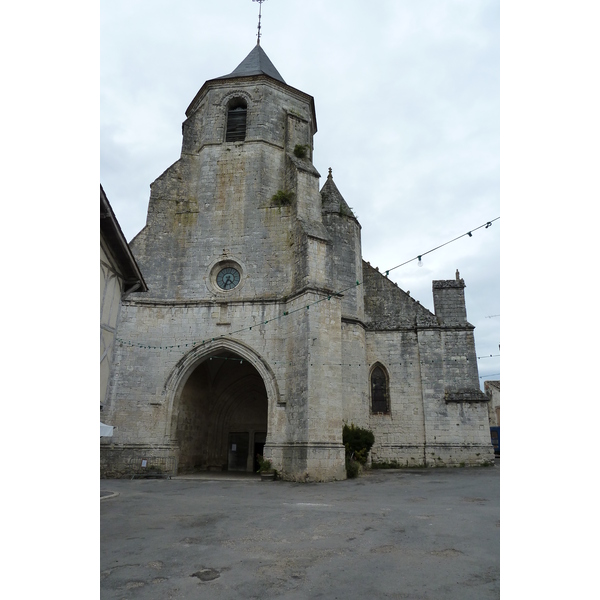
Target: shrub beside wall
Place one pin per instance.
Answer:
(358, 443)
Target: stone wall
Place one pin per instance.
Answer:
(355, 374)
(129, 460)
(399, 435)
(492, 391)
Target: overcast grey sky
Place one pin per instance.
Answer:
(407, 98)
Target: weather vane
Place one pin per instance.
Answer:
(259, 15)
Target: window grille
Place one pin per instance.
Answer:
(236, 122)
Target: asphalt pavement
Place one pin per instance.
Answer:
(420, 534)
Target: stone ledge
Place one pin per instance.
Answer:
(303, 164)
(372, 326)
(440, 284)
(465, 395)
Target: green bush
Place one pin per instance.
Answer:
(358, 443)
(352, 469)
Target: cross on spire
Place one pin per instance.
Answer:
(259, 16)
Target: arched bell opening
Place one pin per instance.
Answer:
(220, 421)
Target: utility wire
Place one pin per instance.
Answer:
(469, 234)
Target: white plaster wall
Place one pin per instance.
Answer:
(110, 298)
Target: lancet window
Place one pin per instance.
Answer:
(379, 390)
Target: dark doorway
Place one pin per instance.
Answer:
(237, 451)
(221, 416)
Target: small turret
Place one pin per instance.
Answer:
(332, 199)
(344, 231)
(449, 300)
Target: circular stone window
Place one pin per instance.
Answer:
(228, 278)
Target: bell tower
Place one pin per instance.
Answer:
(244, 189)
(236, 224)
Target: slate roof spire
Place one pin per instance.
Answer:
(256, 63)
(332, 200)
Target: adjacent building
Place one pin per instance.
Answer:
(119, 276)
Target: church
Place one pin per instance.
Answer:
(263, 331)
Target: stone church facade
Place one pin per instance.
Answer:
(263, 331)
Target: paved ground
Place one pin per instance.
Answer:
(411, 534)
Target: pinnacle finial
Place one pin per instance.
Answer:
(259, 16)
(330, 176)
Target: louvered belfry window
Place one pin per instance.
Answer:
(236, 121)
(379, 392)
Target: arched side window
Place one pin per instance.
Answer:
(236, 120)
(380, 396)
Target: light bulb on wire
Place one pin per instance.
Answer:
(420, 263)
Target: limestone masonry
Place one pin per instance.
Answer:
(263, 330)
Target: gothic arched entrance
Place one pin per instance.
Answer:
(220, 409)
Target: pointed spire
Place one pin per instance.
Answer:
(256, 63)
(332, 200)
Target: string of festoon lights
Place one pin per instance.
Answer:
(338, 364)
(325, 298)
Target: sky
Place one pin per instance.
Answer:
(407, 99)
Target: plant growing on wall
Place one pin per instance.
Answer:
(300, 150)
(346, 210)
(358, 442)
(282, 198)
